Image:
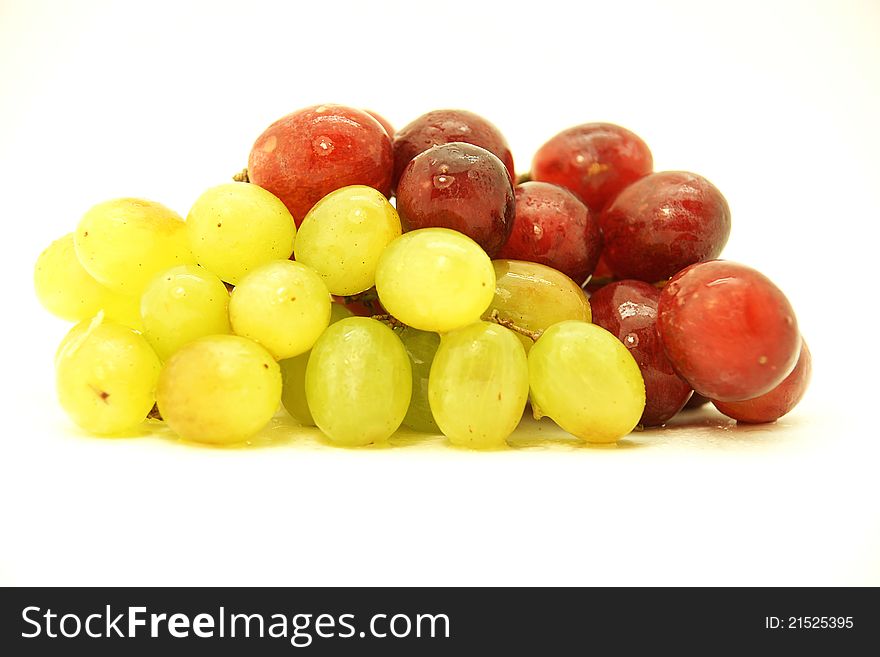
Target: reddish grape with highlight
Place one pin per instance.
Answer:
(462, 187)
(728, 330)
(663, 223)
(552, 227)
(628, 309)
(446, 126)
(781, 400)
(308, 154)
(594, 160)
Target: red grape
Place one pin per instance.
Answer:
(307, 154)
(383, 122)
(662, 223)
(728, 330)
(594, 160)
(445, 126)
(462, 187)
(771, 406)
(628, 309)
(552, 227)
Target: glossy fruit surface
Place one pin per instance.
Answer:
(385, 123)
(358, 382)
(551, 226)
(293, 376)
(123, 243)
(628, 309)
(343, 236)
(283, 305)
(595, 161)
(583, 378)
(772, 405)
(445, 126)
(435, 279)
(307, 154)
(66, 289)
(461, 187)
(236, 227)
(105, 376)
(728, 330)
(479, 385)
(534, 296)
(663, 223)
(219, 389)
(182, 304)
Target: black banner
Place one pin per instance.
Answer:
(435, 621)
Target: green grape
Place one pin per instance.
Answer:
(435, 279)
(420, 347)
(106, 375)
(125, 242)
(343, 236)
(358, 382)
(584, 378)
(68, 291)
(219, 389)
(535, 296)
(479, 385)
(182, 304)
(283, 305)
(293, 374)
(236, 227)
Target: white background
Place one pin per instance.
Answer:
(777, 103)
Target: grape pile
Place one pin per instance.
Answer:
(302, 284)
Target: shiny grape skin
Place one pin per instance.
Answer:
(462, 187)
(782, 399)
(728, 330)
(628, 309)
(305, 155)
(552, 227)
(443, 127)
(383, 122)
(662, 223)
(595, 161)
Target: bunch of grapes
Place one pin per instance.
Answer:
(590, 291)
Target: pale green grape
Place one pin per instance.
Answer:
(68, 291)
(584, 378)
(479, 385)
(236, 227)
(343, 236)
(358, 382)
(535, 296)
(420, 347)
(435, 279)
(182, 304)
(105, 375)
(125, 242)
(219, 389)
(283, 305)
(293, 374)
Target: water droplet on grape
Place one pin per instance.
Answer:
(631, 341)
(323, 145)
(270, 144)
(443, 181)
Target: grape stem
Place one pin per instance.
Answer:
(393, 322)
(506, 323)
(242, 176)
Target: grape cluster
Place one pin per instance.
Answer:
(302, 284)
